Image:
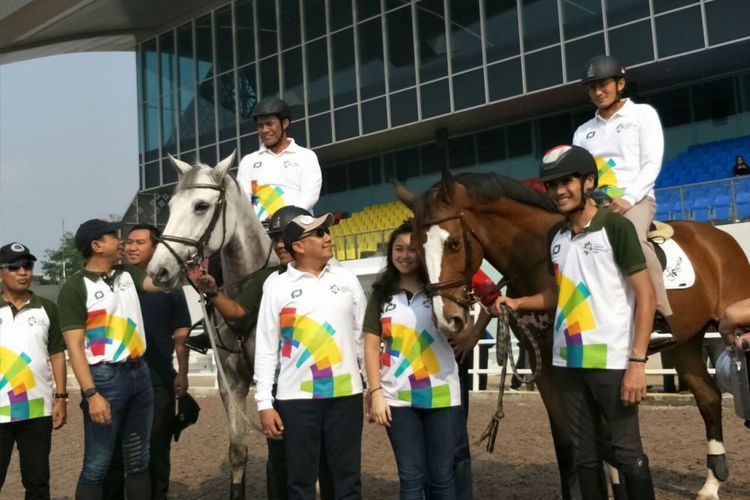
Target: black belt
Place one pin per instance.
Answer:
(130, 363)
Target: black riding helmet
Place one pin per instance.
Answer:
(564, 160)
(282, 217)
(601, 68)
(272, 106)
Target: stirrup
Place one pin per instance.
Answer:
(198, 343)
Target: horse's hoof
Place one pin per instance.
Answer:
(237, 491)
(707, 497)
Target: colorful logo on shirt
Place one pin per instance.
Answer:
(608, 177)
(574, 317)
(103, 329)
(316, 342)
(267, 199)
(411, 350)
(16, 380)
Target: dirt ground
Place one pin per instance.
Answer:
(521, 467)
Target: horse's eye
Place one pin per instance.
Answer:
(200, 207)
(453, 245)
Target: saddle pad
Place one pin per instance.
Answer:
(679, 272)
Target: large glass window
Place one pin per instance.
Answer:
(540, 25)
(317, 77)
(461, 151)
(491, 145)
(168, 127)
(151, 129)
(665, 5)
(166, 57)
(673, 106)
(269, 76)
(632, 44)
(434, 158)
(206, 113)
(243, 18)
(315, 18)
(320, 129)
(344, 75)
(335, 179)
(226, 110)
(374, 115)
(340, 13)
(359, 174)
(367, 8)
(185, 61)
(151, 172)
(267, 27)
(433, 61)
(553, 131)
(204, 47)
(290, 23)
(400, 53)
(577, 53)
(407, 163)
(468, 89)
(294, 89)
(150, 70)
(727, 20)
(519, 139)
(679, 31)
(435, 98)
(713, 100)
(543, 69)
(623, 11)
(208, 155)
(298, 131)
(248, 96)
(403, 107)
(371, 69)
(505, 79)
(186, 99)
(347, 123)
(466, 35)
(581, 17)
(501, 29)
(224, 41)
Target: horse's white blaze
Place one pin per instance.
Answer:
(433, 256)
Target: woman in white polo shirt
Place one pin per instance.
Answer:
(413, 380)
(627, 142)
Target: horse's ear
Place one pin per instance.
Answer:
(403, 194)
(447, 187)
(179, 165)
(220, 170)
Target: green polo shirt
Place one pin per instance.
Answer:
(252, 291)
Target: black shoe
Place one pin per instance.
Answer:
(198, 343)
(637, 479)
(593, 483)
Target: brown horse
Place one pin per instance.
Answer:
(464, 219)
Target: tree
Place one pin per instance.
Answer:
(63, 261)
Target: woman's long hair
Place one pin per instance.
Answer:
(387, 283)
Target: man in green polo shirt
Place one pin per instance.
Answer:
(32, 353)
(605, 304)
(100, 316)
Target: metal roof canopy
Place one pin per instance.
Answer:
(36, 28)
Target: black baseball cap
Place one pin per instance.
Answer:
(15, 251)
(304, 224)
(94, 229)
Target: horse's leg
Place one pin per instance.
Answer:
(690, 365)
(233, 398)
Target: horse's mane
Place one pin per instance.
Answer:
(482, 186)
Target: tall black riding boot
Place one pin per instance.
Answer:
(138, 486)
(637, 479)
(593, 483)
(90, 491)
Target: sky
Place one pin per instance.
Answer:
(68, 144)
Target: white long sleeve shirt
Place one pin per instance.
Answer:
(310, 328)
(272, 181)
(628, 148)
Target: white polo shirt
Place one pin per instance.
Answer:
(310, 328)
(628, 149)
(28, 337)
(417, 365)
(272, 181)
(594, 321)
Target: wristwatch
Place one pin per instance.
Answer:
(89, 392)
(61, 395)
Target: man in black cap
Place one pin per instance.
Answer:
(100, 316)
(32, 353)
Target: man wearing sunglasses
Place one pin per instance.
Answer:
(29, 337)
(245, 307)
(310, 328)
(100, 316)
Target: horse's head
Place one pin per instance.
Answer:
(448, 247)
(200, 221)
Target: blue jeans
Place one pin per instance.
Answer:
(127, 387)
(417, 434)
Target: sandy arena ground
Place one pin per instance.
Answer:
(522, 465)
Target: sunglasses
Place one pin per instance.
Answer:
(16, 266)
(318, 233)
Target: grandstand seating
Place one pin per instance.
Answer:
(704, 162)
(365, 233)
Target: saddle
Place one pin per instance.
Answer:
(658, 233)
